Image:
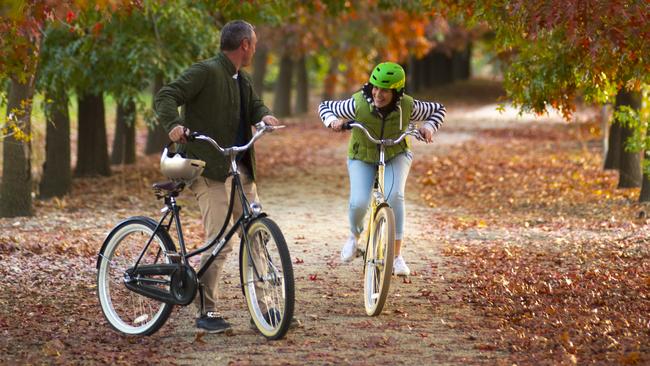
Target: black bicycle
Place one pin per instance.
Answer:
(141, 275)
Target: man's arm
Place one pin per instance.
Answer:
(257, 110)
(177, 93)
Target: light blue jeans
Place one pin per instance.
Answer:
(362, 179)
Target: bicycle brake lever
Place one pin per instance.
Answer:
(192, 136)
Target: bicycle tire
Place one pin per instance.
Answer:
(126, 311)
(378, 261)
(271, 298)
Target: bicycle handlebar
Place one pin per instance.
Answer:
(261, 128)
(410, 131)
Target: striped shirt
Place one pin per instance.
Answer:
(432, 114)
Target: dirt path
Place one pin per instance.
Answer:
(417, 325)
(425, 321)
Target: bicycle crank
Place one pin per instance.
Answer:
(173, 283)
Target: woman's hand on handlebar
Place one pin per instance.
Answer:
(338, 125)
(426, 133)
(179, 134)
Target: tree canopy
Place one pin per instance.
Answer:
(556, 50)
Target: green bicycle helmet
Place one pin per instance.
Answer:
(388, 75)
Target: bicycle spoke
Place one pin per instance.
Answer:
(378, 262)
(266, 291)
(127, 311)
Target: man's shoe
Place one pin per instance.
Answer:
(400, 268)
(212, 323)
(349, 250)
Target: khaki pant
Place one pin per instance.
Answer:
(213, 197)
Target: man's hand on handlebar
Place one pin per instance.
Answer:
(270, 120)
(179, 134)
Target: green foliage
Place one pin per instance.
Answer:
(630, 118)
(4, 87)
(120, 54)
(558, 49)
(256, 12)
(540, 74)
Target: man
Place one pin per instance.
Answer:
(218, 100)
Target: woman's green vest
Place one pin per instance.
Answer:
(360, 148)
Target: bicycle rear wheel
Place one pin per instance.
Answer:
(125, 310)
(378, 265)
(267, 278)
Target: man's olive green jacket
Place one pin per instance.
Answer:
(209, 95)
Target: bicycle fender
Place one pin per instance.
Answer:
(381, 205)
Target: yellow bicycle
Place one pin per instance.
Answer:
(380, 239)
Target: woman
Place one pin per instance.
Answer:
(382, 106)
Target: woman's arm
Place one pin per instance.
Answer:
(332, 110)
(433, 114)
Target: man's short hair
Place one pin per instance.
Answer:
(233, 33)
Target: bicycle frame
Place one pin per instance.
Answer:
(378, 199)
(172, 213)
(249, 212)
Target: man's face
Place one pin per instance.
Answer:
(248, 47)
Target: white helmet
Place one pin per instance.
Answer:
(176, 166)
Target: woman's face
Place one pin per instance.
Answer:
(382, 97)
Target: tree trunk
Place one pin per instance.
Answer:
(16, 187)
(440, 68)
(427, 70)
(259, 68)
(57, 172)
(414, 74)
(604, 124)
(644, 196)
(92, 149)
(282, 102)
(329, 84)
(157, 137)
(124, 141)
(302, 86)
(614, 147)
(630, 171)
(461, 63)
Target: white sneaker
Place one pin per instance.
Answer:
(349, 250)
(400, 268)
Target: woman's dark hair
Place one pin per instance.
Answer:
(233, 33)
(397, 97)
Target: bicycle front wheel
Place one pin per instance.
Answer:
(267, 278)
(378, 265)
(125, 310)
